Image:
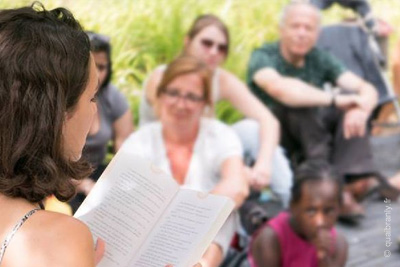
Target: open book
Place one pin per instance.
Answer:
(146, 219)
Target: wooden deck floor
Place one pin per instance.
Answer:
(367, 241)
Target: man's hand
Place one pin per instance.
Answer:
(354, 123)
(346, 102)
(382, 28)
(259, 176)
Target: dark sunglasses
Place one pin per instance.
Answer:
(222, 48)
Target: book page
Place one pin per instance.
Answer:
(185, 230)
(125, 204)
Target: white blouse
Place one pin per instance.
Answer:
(215, 143)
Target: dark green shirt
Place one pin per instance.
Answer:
(319, 68)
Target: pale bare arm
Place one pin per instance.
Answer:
(294, 92)
(291, 92)
(233, 183)
(151, 84)
(237, 93)
(122, 127)
(367, 93)
(355, 119)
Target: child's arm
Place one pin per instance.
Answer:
(266, 249)
(340, 256)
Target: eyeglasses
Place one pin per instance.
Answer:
(222, 48)
(174, 95)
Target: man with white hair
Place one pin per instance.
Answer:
(288, 76)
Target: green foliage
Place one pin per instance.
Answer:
(146, 33)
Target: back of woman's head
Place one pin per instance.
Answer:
(204, 21)
(101, 43)
(313, 171)
(187, 65)
(44, 69)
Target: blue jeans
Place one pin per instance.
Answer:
(281, 173)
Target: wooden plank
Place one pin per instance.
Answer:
(367, 241)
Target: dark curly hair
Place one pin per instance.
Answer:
(312, 171)
(44, 69)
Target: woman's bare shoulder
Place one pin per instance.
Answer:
(224, 74)
(62, 230)
(62, 224)
(54, 239)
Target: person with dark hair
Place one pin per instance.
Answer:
(47, 104)
(112, 123)
(48, 90)
(208, 40)
(304, 236)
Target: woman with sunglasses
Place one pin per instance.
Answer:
(208, 40)
(200, 153)
(113, 121)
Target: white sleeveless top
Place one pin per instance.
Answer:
(146, 111)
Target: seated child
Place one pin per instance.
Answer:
(304, 236)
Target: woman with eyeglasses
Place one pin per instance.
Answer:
(208, 40)
(113, 121)
(198, 152)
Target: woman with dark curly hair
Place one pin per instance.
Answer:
(47, 104)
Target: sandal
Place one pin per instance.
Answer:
(351, 218)
(385, 189)
(351, 212)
